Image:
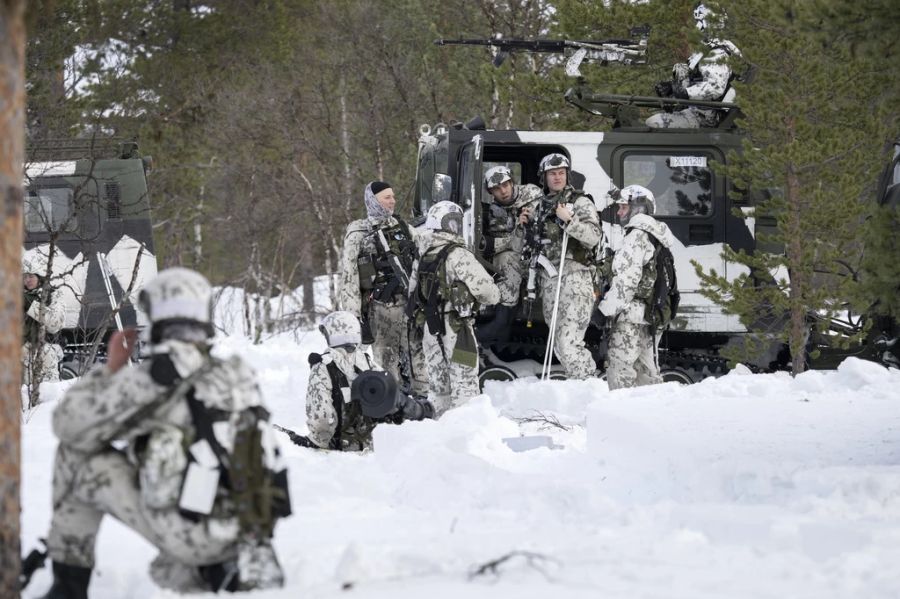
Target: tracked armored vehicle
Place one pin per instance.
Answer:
(87, 221)
(691, 199)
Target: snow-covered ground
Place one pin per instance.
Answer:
(745, 486)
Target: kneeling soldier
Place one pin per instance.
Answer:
(337, 420)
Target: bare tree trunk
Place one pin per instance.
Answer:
(798, 331)
(12, 156)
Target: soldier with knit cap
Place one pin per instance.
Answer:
(374, 249)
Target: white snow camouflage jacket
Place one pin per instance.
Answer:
(628, 267)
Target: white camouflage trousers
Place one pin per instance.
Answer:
(45, 360)
(510, 267)
(450, 384)
(632, 356)
(88, 486)
(395, 348)
(576, 299)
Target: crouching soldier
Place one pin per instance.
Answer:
(44, 315)
(450, 281)
(335, 417)
(200, 476)
(633, 341)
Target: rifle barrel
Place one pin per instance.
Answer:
(534, 45)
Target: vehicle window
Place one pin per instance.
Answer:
(514, 167)
(50, 210)
(682, 184)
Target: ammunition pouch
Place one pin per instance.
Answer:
(367, 272)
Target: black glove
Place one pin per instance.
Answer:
(414, 408)
(679, 92)
(664, 89)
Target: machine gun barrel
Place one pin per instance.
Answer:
(624, 51)
(556, 46)
(587, 100)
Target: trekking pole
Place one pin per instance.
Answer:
(551, 338)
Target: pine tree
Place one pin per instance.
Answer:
(814, 132)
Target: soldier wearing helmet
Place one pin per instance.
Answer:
(44, 316)
(567, 211)
(450, 283)
(505, 233)
(374, 249)
(175, 415)
(632, 359)
(705, 76)
(333, 419)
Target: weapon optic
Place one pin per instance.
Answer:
(624, 51)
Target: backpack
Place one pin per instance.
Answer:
(251, 478)
(662, 305)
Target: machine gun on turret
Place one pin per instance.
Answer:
(624, 51)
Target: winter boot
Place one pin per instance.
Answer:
(69, 582)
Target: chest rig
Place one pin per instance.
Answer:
(376, 274)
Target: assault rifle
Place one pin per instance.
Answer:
(401, 277)
(624, 51)
(535, 245)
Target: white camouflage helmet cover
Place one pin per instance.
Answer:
(638, 197)
(34, 263)
(496, 176)
(177, 294)
(445, 216)
(341, 328)
(552, 161)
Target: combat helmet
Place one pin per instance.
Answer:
(178, 296)
(340, 329)
(553, 161)
(639, 198)
(496, 176)
(445, 216)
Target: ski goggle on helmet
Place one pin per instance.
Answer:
(496, 176)
(445, 216)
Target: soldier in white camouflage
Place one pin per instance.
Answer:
(567, 210)
(449, 283)
(334, 419)
(632, 357)
(44, 316)
(705, 76)
(506, 233)
(161, 477)
(371, 290)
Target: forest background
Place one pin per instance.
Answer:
(266, 118)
